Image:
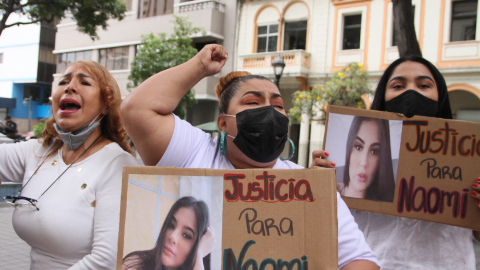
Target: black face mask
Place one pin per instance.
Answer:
(411, 103)
(261, 133)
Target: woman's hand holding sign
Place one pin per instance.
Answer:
(318, 159)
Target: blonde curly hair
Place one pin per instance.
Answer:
(111, 124)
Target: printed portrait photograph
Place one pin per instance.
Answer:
(365, 152)
(173, 222)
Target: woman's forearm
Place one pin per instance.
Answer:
(146, 112)
(163, 91)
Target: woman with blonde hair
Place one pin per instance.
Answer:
(253, 131)
(68, 208)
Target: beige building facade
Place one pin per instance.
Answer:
(319, 37)
(116, 46)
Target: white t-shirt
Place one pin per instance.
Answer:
(77, 224)
(403, 243)
(190, 147)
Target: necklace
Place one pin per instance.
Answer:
(61, 173)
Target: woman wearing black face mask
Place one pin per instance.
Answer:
(253, 132)
(413, 86)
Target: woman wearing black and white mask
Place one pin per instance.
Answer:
(413, 86)
(68, 209)
(253, 131)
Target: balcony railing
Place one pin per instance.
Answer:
(199, 5)
(295, 61)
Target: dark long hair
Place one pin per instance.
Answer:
(443, 110)
(152, 259)
(382, 187)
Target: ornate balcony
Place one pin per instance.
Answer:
(199, 5)
(208, 14)
(297, 62)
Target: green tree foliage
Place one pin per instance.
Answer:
(38, 129)
(88, 13)
(345, 88)
(157, 53)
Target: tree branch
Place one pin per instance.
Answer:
(7, 13)
(32, 3)
(20, 23)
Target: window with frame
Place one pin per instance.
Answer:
(32, 92)
(65, 59)
(151, 8)
(352, 31)
(114, 58)
(394, 39)
(464, 20)
(267, 37)
(295, 36)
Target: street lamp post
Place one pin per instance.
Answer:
(278, 65)
(29, 102)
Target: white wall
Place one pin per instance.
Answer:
(19, 45)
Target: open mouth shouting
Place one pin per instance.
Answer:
(68, 105)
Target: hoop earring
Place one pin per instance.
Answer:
(293, 150)
(223, 144)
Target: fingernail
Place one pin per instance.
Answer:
(326, 154)
(333, 164)
(478, 179)
(475, 184)
(478, 202)
(473, 193)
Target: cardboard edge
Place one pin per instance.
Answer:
(123, 213)
(332, 187)
(326, 127)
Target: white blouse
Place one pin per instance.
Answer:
(77, 224)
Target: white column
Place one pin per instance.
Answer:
(303, 141)
(317, 133)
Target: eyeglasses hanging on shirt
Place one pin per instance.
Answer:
(18, 200)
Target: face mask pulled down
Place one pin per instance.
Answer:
(261, 133)
(74, 139)
(411, 103)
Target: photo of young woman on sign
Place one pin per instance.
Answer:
(367, 173)
(368, 169)
(185, 240)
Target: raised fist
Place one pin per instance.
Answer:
(212, 58)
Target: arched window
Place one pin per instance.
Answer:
(296, 25)
(267, 29)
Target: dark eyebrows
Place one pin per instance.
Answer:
(421, 77)
(261, 94)
(189, 229)
(79, 75)
(67, 75)
(372, 145)
(276, 95)
(255, 93)
(85, 76)
(174, 221)
(397, 78)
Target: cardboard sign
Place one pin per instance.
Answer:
(262, 219)
(420, 167)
